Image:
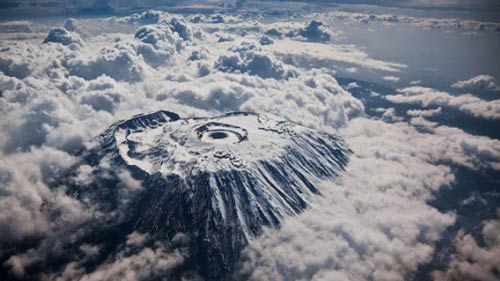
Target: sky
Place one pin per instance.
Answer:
(50, 4)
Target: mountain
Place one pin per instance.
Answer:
(218, 181)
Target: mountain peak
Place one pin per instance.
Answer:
(219, 180)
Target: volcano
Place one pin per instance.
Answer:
(217, 180)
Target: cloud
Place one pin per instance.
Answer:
(249, 58)
(373, 217)
(472, 261)
(428, 97)
(352, 85)
(305, 54)
(392, 79)
(100, 100)
(389, 114)
(478, 4)
(422, 22)
(264, 40)
(316, 31)
(129, 181)
(16, 27)
(422, 122)
(371, 223)
(25, 193)
(14, 68)
(117, 63)
(424, 113)
(480, 82)
(63, 36)
(136, 239)
(129, 264)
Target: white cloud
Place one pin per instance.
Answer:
(314, 31)
(392, 79)
(422, 22)
(472, 261)
(249, 58)
(389, 114)
(131, 183)
(428, 97)
(118, 63)
(374, 221)
(480, 82)
(26, 195)
(136, 239)
(146, 263)
(422, 122)
(63, 36)
(352, 85)
(424, 112)
(16, 27)
(316, 54)
(371, 223)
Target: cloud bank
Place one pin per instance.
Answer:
(428, 97)
(472, 261)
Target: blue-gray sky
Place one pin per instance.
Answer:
(481, 4)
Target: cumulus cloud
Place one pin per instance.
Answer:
(117, 62)
(472, 261)
(129, 264)
(365, 226)
(422, 22)
(26, 195)
(315, 31)
(428, 97)
(373, 223)
(311, 31)
(249, 58)
(63, 36)
(480, 82)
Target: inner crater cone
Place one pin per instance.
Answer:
(218, 135)
(221, 133)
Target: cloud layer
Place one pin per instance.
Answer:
(472, 261)
(428, 97)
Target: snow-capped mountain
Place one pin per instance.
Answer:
(216, 180)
